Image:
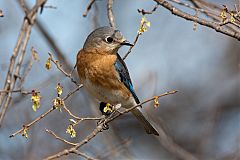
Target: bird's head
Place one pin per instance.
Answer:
(105, 40)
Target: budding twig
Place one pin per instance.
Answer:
(44, 114)
(61, 69)
(59, 138)
(100, 127)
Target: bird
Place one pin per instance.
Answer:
(104, 74)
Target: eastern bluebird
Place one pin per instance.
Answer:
(105, 75)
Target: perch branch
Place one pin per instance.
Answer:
(100, 127)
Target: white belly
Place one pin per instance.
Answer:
(108, 96)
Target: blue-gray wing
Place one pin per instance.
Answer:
(124, 76)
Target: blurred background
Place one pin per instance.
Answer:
(203, 65)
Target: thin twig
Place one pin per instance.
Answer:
(72, 71)
(201, 21)
(89, 6)
(204, 6)
(76, 117)
(49, 39)
(27, 70)
(140, 104)
(100, 127)
(22, 41)
(50, 7)
(131, 47)
(95, 16)
(143, 12)
(61, 69)
(17, 91)
(44, 114)
(83, 155)
(72, 92)
(31, 123)
(111, 18)
(59, 138)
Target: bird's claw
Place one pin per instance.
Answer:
(105, 126)
(100, 121)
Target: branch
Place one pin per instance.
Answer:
(131, 47)
(50, 41)
(76, 117)
(143, 12)
(207, 5)
(22, 41)
(59, 138)
(201, 21)
(27, 126)
(110, 14)
(70, 143)
(62, 70)
(17, 91)
(27, 69)
(83, 155)
(100, 127)
(89, 6)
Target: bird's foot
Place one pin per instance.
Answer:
(100, 121)
(105, 126)
(108, 110)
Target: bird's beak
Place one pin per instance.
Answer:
(126, 43)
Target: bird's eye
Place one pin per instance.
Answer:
(109, 39)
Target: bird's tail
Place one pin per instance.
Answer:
(143, 119)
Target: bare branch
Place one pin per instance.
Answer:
(204, 6)
(89, 6)
(201, 21)
(143, 12)
(22, 41)
(131, 47)
(83, 155)
(76, 117)
(17, 91)
(61, 69)
(44, 114)
(100, 127)
(59, 138)
(110, 14)
(27, 69)
(32, 123)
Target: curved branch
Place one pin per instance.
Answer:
(216, 26)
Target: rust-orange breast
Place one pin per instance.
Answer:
(100, 70)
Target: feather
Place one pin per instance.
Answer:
(142, 118)
(124, 76)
